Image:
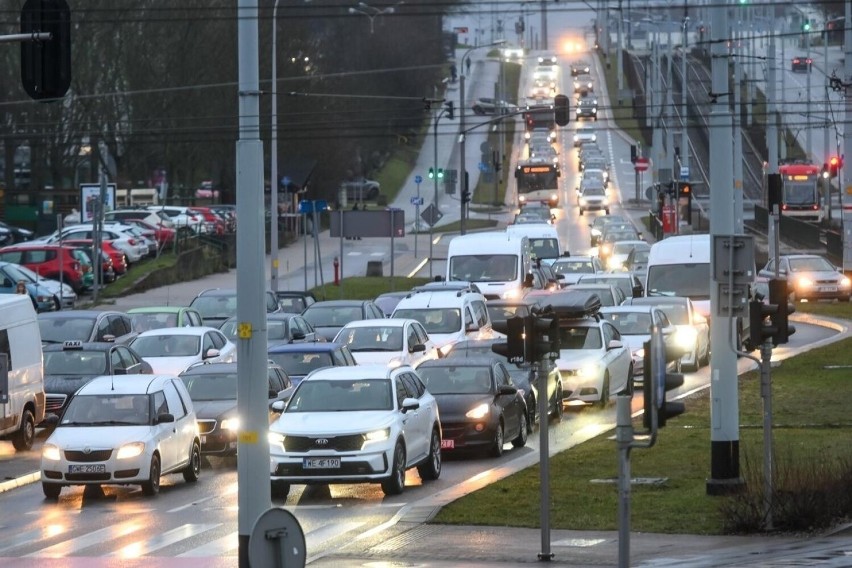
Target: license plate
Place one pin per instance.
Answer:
(87, 468)
(203, 439)
(321, 463)
(828, 289)
(448, 444)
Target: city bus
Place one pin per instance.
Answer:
(537, 181)
(800, 195)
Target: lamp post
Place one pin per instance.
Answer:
(371, 12)
(462, 108)
(273, 161)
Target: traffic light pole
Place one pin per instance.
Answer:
(766, 395)
(544, 461)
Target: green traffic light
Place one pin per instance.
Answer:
(806, 26)
(440, 173)
(431, 173)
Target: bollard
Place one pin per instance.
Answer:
(336, 272)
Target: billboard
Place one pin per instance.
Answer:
(89, 194)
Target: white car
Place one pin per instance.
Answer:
(363, 424)
(593, 362)
(572, 268)
(634, 324)
(391, 342)
(182, 217)
(172, 350)
(123, 431)
(620, 252)
(133, 248)
(585, 134)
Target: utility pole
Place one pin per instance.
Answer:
(670, 153)
(656, 108)
(543, 25)
(724, 408)
(684, 109)
(738, 134)
(772, 107)
(619, 64)
(808, 126)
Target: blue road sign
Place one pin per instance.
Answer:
(418, 179)
(308, 206)
(417, 201)
(684, 173)
(483, 167)
(285, 182)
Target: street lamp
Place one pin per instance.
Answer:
(273, 159)
(372, 13)
(462, 108)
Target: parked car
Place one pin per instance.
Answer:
(118, 257)
(63, 292)
(300, 359)
(16, 234)
(173, 350)
(361, 190)
(115, 432)
(85, 325)
(64, 263)
(43, 298)
(329, 316)
(375, 423)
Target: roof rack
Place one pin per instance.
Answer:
(573, 304)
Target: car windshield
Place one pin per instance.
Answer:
(435, 320)
(622, 247)
(810, 264)
(108, 410)
(57, 330)
(573, 267)
(612, 237)
(593, 190)
(691, 280)
(678, 314)
(211, 386)
(630, 323)
(292, 305)
(604, 292)
(215, 306)
(484, 268)
(332, 316)
(75, 362)
(377, 338)
(167, 345)
(147, 321)
(300, 363)
(456, 380)
(342, 396)
(580, 338)
(544, 248)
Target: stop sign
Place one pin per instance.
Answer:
(642, 164)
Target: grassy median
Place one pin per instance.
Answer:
(813, 442)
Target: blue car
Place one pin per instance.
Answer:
(299, 359)
(43, 299)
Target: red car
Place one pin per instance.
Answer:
(65, 263)
(165, 236)
(119, 261)
(215, 224)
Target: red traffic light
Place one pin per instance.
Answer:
(834, 164)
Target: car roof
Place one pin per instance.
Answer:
(197, 330)
(159, 310)
(210, 368)
(305, 347)
(383, 322)
(479, 361)
(125, 384)
(343, 373)
(627, 308)
(81, 346)
(657, 300)
(68, 314)
(441, 299)
(336, 304)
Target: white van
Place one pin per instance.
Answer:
(680, 266)
(544, 239)
(496, 262)
(22, 396)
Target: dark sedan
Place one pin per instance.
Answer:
(70, 365)
(480, 407)
(299, 359)
(213, 390)
(802, 63)
(280, 328)
(328, 317)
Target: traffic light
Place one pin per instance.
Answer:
(46, 64)
(779, 296)
(634, 153)
(449, 105)
(658, 380)
(806, 26)
(760, 321)
(514, 350)
(431, 173)
(545, 337)
(834, 165)
(561, 110)
(465, 196)
(440, 173)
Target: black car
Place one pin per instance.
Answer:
(294, 301)
(280, 328)
(481, 408)
(299, 359)
(387, 302)
(86, 326)
(213, 390)
(523, 376)
(802, 63)
(218, 304)
(71, 364)
(329, 316)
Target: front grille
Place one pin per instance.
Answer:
(87, 477)
(55, 402)
(206, 426)
(301, 444)
(53, 474)
(92, 456)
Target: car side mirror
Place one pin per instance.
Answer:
(7, 283)
(108, 338)
(409, 404)
(52, 419)
(471, 327)
(614, 344)
(298, 335)
(560, 276)
(165, 417)
(506, 390)
(419, 348)
(119, 371)
(278, 405)
(212, 352)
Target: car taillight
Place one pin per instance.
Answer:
(75, 266)
(131, 241)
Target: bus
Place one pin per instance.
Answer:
(800, 195)
(537, 181)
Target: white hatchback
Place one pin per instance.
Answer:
(391, 342)
(125, 430)
(172, 350)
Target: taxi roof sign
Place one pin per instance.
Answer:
(72, 344)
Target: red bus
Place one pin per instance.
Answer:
(800, 195)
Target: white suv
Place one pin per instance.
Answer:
(448, 316)
(363, 424)
(182, 217)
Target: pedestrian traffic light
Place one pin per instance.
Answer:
(806, 26)
(431, 173)
(465, 196)
(779, 296)
(760, 321)
(545, 337)
(834, 165)
(561, 110)
(440, 173)
(450, 106)
(46, 63)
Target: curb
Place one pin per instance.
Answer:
(20, 481)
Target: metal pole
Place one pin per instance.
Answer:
(670, 154)
(417, 219)
(624, 439)
(809, 131)
(619, 64)
(393, 232)
(273, 160)
(738, 144)
(462, 146)
(543, 25)
(304, 219)
(772, 108)
(253, 487)
(435, 147)
(341, 254)
(317, 256)
(781, 100)
(684, 109)
(846, 190)
(766, 395)
(544, 461)
(724, 407)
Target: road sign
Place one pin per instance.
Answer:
(431, 214)
(418, 179)
(308, 206)
(642, 164)
(684, 173)
(417, 201)
(483, 167)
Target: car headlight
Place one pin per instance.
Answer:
(130, 450)
(576, 138)
(596, 232)
(527, 135)
(50, 452)
(594, 137)
(376, 436)
(588, 370)
(685, 337)
(478, 412)
(510, 294)
(614, 264)
(522, 198)
(845, 283)
(605, 249)
(276, 439)
(232, 424)
(804, 282)
(553, 197)
(594, 111)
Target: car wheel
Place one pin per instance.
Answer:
(581, 210)
(532, 409)
(628, 388)
(193, 468)
(280, 489)
(394, 484)
(431, 468)
(521, 440)
(691, 368)
(51, 490)
(705, 359)
(558, 408)
(152, 486)
(604, 392)
(24, 437)
(496, 449)
(57, 304)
